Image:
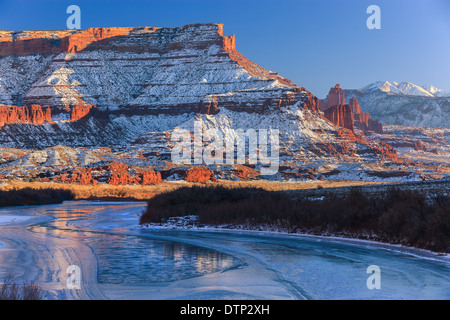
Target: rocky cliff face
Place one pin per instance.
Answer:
(356, 108)
(24, 115)
(53, 42)
(79, 111)
(347, 117)
(131, 74)
(144, 70)
(363, 120)
(375, 125)
(341, 115)
(336, 96)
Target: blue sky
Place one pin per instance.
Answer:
(314, 43)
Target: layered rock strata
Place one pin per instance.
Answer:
(142, 70)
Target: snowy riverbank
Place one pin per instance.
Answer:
(190, 222)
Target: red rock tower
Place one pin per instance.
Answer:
(362, 119)
(341, 115)
(336, 96)
(356, 108)
(347, 115)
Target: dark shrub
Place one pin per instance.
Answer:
(30, 196)
(10, 290)
(395, 216)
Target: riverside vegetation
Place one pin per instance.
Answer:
(11, 290)
(407, 217)
(31, 196)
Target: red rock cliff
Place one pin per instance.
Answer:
(336, 96)
(375, 125)
(356, 108)
(169, 46)
(49, 42)
(30, 115)
(340, 115)
(79, 111)
(362, 119)
(199, 174)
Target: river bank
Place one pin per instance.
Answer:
(411, 217)
(106, 192)
(188, 223)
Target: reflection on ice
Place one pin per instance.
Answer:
(127, 259)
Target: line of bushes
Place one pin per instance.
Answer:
(11, 290)
(30, 196)
(397, 216)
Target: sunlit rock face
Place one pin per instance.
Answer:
(336, 96)
(104, 86)
(341, 115)
(146, 70)
(347, 116)
(25, 115)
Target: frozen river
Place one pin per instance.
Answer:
(119, 260)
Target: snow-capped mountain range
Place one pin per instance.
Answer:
(404, 103)
(406, 88)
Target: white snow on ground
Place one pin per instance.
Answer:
(184, 222)
(116, 78)
(57, 156)
(6, 219)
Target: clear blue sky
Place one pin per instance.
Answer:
(314, 43)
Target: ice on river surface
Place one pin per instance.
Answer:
(119, 260)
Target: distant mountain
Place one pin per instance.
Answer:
(436, 91)
(406, 88)
(432, 89)
(404, 103)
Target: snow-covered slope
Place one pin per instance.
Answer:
(436, 91)
(304, 138)
(431, 89)
(140, 79)
(406, 88)
(58, 156)
(159, 70)
(309, 146)
(404, 104)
